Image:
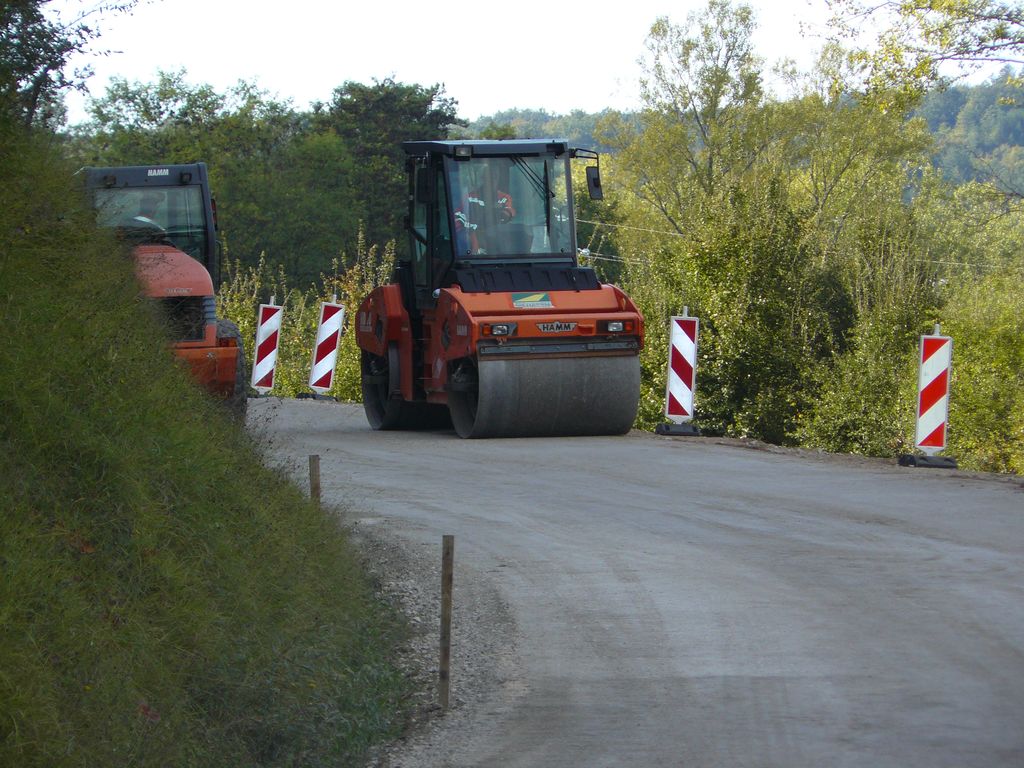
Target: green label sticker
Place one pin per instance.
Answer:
(531, 301)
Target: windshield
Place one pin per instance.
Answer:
(511, 206)
(176, 212)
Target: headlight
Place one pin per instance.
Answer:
(499, 329)
(616, 326)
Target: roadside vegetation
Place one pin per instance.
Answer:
(165, 598)
(818, 236)
(246, 286)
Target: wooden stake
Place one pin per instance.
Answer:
(444, 670)
(314, 478)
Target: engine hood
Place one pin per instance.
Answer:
(165, 271)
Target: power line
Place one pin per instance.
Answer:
(607, 257)
(677, 234)
(635, 229)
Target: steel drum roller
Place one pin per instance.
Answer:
(549, 396)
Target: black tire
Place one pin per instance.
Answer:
(237, 402)
(463, 398)
(386, 413)
(381, 411)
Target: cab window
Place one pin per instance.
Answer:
(173, 212)
(511, 206)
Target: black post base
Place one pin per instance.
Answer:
(314, 396)
(677, 430)
(937, 462)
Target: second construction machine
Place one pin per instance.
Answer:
(166, 214)
(491, 320)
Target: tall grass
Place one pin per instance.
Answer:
(165, 599)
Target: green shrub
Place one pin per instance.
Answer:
(865, 400)
(985, 319)
(767, 314)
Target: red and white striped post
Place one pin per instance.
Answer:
(682, 376)
(268, 335)
(934, 363)
(325, 351)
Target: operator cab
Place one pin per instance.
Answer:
(169, 204)
(491, 216)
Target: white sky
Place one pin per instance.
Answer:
(490, 56)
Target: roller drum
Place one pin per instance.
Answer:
(550, 396)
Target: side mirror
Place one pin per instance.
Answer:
(594, 183)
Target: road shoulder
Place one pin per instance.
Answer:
(486, 679)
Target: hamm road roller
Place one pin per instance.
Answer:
(166, 213)
(491, 321)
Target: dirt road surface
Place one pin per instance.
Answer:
(645, 601)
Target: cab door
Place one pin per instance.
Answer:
(430, 230)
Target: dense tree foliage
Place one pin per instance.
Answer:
(36, 47)
(812, 236)
(921, 39)
(373, 121)
(578, 127)
(769, 203)
(980, 132)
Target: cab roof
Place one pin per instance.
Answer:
(489, 148)
(172, 175)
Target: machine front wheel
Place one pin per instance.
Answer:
(381, 411)
(380, 377)
(544, 396)
(464, 398)
(238, 400)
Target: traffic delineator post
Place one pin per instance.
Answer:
(325, 351)
(268, 335)
(934, 367)
(682, 376)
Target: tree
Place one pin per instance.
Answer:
(150, 107)
(986, 320)
(494, 131)
(919, 37)
(578, 127)
(35, 47)
(847, 161)
(713, 222)
(283, 189)
(373, 121)
(704, 80)
(299, 206)
(789, 227)
(704, 124)
(524, 123)
(983, 138)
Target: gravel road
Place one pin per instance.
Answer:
(643, 601)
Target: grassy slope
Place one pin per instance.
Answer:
(165, 599)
